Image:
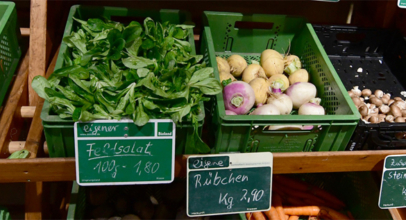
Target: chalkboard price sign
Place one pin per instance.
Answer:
(402, 3)
(229, 183)
(111, 152)
(393, 184)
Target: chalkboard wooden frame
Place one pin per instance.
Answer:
(394, 167)
(124, 131)
(231, 166)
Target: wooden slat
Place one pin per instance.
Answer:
(63, 169)
(33, 200)
(11, 105)
(27, 111)
(25, 32)
(38, 37)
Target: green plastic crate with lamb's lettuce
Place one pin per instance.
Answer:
(119, 63)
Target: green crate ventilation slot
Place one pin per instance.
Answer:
(5, 55)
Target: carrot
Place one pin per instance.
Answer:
(272, 214)
(334, 214)
(258, 216)
(290, 183)
(248, 215)
(322, 194)
(314, 218)
(277, 202)
(293, 217)
(286, 217)
(302, 210)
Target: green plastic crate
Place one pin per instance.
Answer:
(10, 51)
(358, 190)
(245, 133)
(59, 132)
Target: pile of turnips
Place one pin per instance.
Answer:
(265, 86)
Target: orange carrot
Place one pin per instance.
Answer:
(277, 203)
(326, 196)
(293, 217)
(258, 216)
(334, 214)
(286, 217)
(248, 215)
(302, 210)
(272, 214)
(290, 183)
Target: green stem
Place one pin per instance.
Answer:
(237, 101)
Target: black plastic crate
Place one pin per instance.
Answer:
(373, 59)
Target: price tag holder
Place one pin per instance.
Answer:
(228, 183)
(111, 152)
(393, 185)
(402, 3)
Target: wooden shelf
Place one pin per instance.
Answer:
(63, 169)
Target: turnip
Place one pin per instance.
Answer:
(261, 88)
(292, 64)
(222, 65)
(228, 112)
(281, 79)
(226, 76)
(237, 64)
(272, 62)
(313, 107)
(300, 75)
(300, 93)
(239, 97)
(280, 100)
(253, 71)
(268, 109)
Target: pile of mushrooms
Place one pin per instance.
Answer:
(378, 107)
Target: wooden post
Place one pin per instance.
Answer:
(38, 51)
(33, 200)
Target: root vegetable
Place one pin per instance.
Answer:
(395, 111)
(281, 79)
(268, 109)
(313, 107)
(302, 210)
(399, 119)
(292, 64)
(272, 214)
(226, 76)
(258, 216)
(300, 93)
(300, 75)
(272, 62)
(237, 64)
(222, 65)
(277, 202)
(280, 100)
(239, 97)
(261, 88)
(293, 217)
(228, 112)
(366, 92)
(253, 71)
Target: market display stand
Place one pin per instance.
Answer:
(23, 102)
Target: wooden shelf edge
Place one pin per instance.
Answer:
(63, 169)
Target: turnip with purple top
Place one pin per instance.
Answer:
(239, 97)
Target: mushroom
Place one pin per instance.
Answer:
(357, 101)
(376, 101)
(374, 119)
(400, 104)
(371, 96)
(351, 94)
(386, 95)
(389, 118)
(384, 109)
(381, 117)
(371, 106)
(403, 113)
(385, 99)
(390, 101)
(362, 99)
(395, 111)
(398, 99)
(374, 112)
(363, 110)
(399, 119)
(378, 93)
(366, 118)
(366, 92)
(356, 91)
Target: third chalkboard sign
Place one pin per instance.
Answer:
(228, 183)
(393, 185)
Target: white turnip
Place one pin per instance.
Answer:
(272, 62)
(222, 65)
(292, 64)
(239, 97)
(300, 93)
(313, 107)
(261, 88)
(300, 75)
(253, 71)
(268, 109)
(237, 64)
(280, 100)
(281, 79)
(228, 112)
